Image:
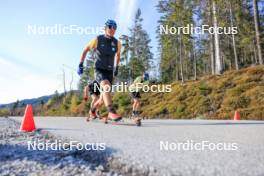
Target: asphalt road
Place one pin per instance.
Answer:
(172, 147)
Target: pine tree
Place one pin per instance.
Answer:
(257, 26)
(139, 47)
(176, 51)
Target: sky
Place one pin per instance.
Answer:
(31, 64)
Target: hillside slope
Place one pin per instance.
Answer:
(214, 97)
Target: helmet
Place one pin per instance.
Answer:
(146, 76)
(111, 23)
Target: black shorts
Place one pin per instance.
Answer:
(94, 88)
(135, 95)
(101, 75)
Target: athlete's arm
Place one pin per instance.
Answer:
(91, 45)
(118, 53)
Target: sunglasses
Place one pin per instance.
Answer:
(111, 27)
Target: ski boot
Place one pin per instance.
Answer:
(92, 116)
(114, 116)
(136, 119)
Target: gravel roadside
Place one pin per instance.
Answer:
(16, 158)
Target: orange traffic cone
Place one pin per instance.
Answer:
(237, 116)
(28, 123)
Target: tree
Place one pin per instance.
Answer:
(256, 21)
(124, 73)
(124, 70)
(125, 48)
(233, 36)
(218, 63)
(136, 67)
(176, 50)
(139, 46)
(214, 52)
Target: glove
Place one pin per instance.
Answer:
(116, 71)
(80, 69)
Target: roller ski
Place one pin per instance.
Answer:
(119, 121)
(136, 119)
(114, 117)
